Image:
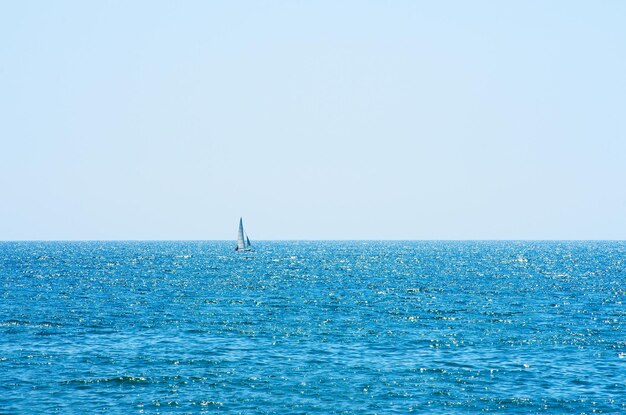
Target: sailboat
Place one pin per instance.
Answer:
(243, 242)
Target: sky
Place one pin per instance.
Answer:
(312, 120)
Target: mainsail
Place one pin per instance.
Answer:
(243, 242)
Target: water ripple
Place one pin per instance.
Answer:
(313, 327)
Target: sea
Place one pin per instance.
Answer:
(313, 327)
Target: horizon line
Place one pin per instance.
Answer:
(316, 240)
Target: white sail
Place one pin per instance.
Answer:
(243, 242)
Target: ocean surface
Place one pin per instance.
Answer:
(313, 327)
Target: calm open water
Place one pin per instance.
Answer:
(313, 327)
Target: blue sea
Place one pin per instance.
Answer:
(313, 327)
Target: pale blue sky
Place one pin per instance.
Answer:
(313, 120)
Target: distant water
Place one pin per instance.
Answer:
(313, 327)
